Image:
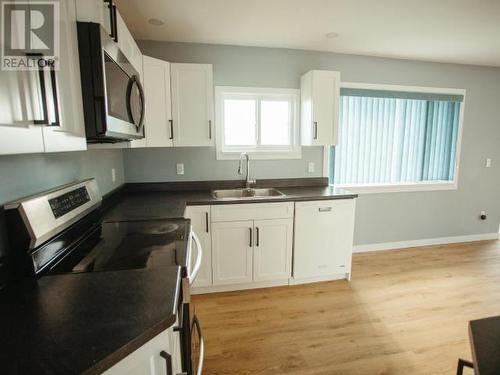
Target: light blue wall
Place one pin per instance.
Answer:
(153, 165)
(380, 217)
(22, 175)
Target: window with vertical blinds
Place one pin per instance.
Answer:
(390, 137)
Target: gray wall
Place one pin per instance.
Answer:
(380, 217)
(22, 175)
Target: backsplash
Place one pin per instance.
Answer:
(159, 165)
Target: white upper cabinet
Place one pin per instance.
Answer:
(37, 115)
(67, 132)
(97, 11)
(192, 104)
(320, 93)
(158, 122)
(127, 43)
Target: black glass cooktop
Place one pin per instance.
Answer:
(130, 245)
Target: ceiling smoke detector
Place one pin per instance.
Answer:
(156, 22)
(331, 35)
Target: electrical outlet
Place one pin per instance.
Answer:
(180, 168)
(310, 167)
(113, 174)
(488, 163)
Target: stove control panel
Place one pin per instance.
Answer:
(67, 202)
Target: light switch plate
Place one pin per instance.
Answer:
(310, 167)
(113, 174)
(180, 168)
(488, 162)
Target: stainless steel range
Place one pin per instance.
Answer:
(60, 231)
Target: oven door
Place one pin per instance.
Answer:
(192, 341)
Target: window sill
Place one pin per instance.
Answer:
(400, 187)
(261, 155)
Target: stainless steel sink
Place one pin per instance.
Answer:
(246, 193)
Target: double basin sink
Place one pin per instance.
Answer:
(249, 193)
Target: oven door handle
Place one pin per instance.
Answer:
(199, 257)
(196, 324)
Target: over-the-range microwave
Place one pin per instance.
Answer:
(113, 97)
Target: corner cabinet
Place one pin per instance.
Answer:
(323, 240)
(320, 94)
(192, 104)
(159, 356)
(42, 110)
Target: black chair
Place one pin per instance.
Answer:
(463, 363)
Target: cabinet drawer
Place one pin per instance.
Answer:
(324, 206)
(252, 211)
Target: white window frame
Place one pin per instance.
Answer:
(294, 151)
(406, 186)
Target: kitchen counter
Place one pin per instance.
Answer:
(169, 200)
(83, 323)
(484, 337)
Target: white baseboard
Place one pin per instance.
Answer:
(235, 287)
(308, 280)
(424, 242)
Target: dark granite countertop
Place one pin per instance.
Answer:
(485, 342)
(151, 200)
(83, 323)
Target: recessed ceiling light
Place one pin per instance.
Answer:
(156, 22)
(331, 35)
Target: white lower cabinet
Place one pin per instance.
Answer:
(152, 357)
(272, 249)
(232, 252)
(200, 224)
(323, 239)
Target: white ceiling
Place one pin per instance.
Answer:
(457, 31)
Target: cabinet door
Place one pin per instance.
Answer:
(192, 104)
(232, 244)
(148, 358)
(320, 93)
(323, 238)
(65, 103)
(20, 106)
(272, 249)
(127, 43)
(200, 223)
(158, 104)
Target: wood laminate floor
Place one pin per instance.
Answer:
(404, 312)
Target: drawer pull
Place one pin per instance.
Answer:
(324, 209)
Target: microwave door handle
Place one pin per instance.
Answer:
(199, 257)
(134, 80)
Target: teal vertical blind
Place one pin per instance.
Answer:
(393, 138)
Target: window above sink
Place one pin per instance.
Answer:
(262, 122)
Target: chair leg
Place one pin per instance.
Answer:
(463, 363)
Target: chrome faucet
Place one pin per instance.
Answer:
(249, 182)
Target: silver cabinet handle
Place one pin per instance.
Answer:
(209, 129)
(251, 242)
(324, 209)
(206, 223)
(197, 265)
(257, 235)
(196, 323)
(171, 122)
(315, 136)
